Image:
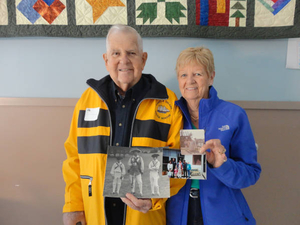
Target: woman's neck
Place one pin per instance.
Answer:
(193, 108)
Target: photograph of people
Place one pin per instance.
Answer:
(184, 168)
(117, 171)
(113, 110)
(179, 168)
(136, 169)
(170, 173)
(230, 149)
(170, 166)
(175, 172)
(154, 174)
(174, 166)
(151, 180)
(188, 167)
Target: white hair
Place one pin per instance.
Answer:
(124, 29)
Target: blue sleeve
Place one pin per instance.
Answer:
(241, 169)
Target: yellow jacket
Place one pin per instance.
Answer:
(156, 123)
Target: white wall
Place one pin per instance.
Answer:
(58, 67)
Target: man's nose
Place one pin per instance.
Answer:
(124, 58)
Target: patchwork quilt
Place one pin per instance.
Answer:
(236, 19)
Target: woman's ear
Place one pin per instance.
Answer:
(212, 77)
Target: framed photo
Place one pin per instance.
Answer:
(191, 141)
(135, 170)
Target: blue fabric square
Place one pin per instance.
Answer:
(26, 7)
(48, 2)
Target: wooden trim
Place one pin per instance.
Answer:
(63, 102)
(71, 102)
(265, 105)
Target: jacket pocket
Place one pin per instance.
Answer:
(90, 183)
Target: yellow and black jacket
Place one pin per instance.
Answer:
(156, 123)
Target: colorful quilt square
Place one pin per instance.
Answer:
(226, 13)
(100, 12)
(238, 13)
(274, 13)
(41, 12)
(3, 13)
(159, 12)
(212, 12)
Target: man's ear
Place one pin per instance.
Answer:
(105, 58)
(144, 58)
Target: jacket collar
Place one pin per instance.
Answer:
(157, 90)
(205, 105)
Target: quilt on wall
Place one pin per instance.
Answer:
(177, 18)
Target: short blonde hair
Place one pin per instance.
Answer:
(198, 55)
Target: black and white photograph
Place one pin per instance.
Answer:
(177, 165)
(191, 141)
(135, 170)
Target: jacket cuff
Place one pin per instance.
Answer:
(72, 208)
(223, 169)
(157, 203)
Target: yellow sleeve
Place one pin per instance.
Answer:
(71, 169)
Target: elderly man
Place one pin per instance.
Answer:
(125, 108)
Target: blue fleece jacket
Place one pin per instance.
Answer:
(222, 201)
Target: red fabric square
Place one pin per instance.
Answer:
(49, 13)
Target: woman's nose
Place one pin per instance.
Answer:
(190, 79)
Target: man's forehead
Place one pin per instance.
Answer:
(122, 41)
(116, 49)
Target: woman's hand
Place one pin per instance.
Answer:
(142, 205)
(216, 157)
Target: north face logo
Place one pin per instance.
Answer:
(224, 127)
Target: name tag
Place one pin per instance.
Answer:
(91, 114)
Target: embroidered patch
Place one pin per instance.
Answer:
(93, 12)
(3, 13)
(224, 127)
(274, 13)
(42, 12)
(163, 109)
(161, 12)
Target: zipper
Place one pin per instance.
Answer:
(90, 183)
(130, 140)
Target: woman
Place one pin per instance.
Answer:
(170, 166)
(179, 167)
(230, 149)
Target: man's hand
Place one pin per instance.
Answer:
(142, 205)
(72, 218)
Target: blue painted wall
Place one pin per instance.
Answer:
(251, 70)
